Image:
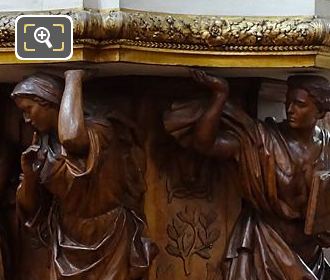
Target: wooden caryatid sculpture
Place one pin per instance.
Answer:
(83, 183)
(283, 169)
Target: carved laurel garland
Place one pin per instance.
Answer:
(188, 32)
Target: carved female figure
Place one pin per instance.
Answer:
(278, 164)
(84, 177)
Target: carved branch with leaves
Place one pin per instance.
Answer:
(191, 234)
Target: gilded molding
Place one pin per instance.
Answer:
(188, 32)
(220, 31)
(326, 30)
(7, 30)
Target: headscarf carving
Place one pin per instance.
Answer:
(45, 86)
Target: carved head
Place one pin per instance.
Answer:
(307, 100)
(39, 97)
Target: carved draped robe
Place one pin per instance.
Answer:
(95, 222)
(268, 241)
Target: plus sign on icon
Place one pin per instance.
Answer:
(43, 37)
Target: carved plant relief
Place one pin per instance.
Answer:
(189, 177)
(192, 233)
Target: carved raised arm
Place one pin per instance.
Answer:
(206, 138)
(71, 125)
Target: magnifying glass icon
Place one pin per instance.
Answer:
(41, 35)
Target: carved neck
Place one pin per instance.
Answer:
(304, 135)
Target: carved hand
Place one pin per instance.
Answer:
(30, 161)
(216, 85)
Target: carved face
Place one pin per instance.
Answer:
(42, 118)
(301, 110)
